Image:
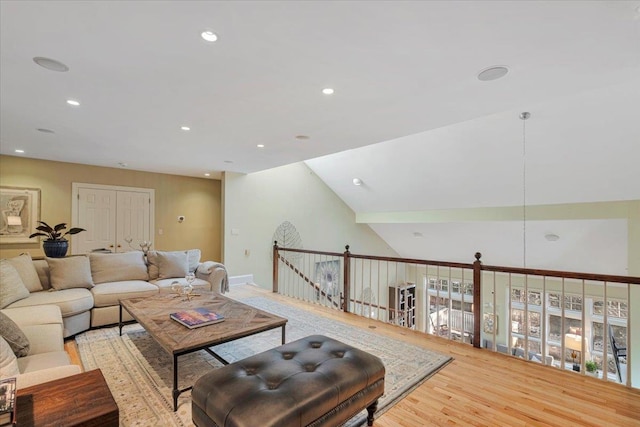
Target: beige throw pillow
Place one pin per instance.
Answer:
(193, 256)
(27, 271)
(8, 361)
(12, 288)
(118, 267)
(14, 336)
(172, 264)
(70, 272)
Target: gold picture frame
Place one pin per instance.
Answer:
(20, 213)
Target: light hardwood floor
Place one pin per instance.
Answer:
(482, 388)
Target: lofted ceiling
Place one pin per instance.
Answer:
(409, 116)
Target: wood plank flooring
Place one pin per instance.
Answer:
(483, 388)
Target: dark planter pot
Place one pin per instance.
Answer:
(55, 248)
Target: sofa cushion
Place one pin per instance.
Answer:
(118, 267)
(27, 271)
(193, 257)
(70, 272)
(8, 361)
(42, 268)
(38, 362)
(109, 294)
(14, 336)
(70, 301)
(172, 264)
(12, 288)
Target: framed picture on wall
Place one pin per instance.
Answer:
(489, 323)
(327, 276)
(20, 213)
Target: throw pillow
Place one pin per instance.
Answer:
(12, 288)
(118, 267)
(14, 336)
(27, 272)
(153, 263)
(172, 264)
(70, 272)
(193, 255)
(8, 361)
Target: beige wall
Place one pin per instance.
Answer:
(257, 203)
(198, 199)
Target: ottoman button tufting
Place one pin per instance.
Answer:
(341, 388)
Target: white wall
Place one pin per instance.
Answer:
(256, 204)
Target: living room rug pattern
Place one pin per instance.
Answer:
(139, 372)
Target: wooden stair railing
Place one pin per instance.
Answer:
(304, 277)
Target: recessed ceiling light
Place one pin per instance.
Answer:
(122, 164)
(327, 91)
(417, 234)
(302, 137)
(260, 145)
(73, 102)
(185, 128)
(228, 161)
(551, 237)
(50, 64)
(207, 174)
(493, 73)
(19, 151)
(45, 130)
(357, 181)
(209, 36)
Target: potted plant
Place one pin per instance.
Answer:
(55, 245)
(592, 368)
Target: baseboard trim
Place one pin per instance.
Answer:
(241, 280)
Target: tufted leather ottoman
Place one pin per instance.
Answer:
(315, 381)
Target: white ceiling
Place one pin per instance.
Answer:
(404, 75)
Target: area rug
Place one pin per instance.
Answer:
(139, 372)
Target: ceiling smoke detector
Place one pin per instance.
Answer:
(492, 73)
(50, 64)
(357, 181)
(552, 237)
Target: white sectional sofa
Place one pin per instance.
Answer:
(87, 289)
(46, 359)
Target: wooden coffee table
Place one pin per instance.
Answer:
(241, 320)
(79, 400)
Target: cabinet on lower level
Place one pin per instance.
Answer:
(402, 305)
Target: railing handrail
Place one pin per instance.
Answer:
(564, 274)
(310, 251)
(383, 258)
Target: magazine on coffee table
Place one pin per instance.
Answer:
(197, 317)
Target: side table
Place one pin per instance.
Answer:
(79, 400)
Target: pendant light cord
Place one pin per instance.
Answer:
(524, 116)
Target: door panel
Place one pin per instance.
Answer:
(132, 220)
(97, 215)
(116, 218)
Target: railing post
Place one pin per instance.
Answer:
(276, 257)
(347, 279)
(477, 306)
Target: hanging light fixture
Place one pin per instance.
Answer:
(524, 116)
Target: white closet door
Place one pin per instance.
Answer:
(132, 220)
(116, 218)
(97, 215)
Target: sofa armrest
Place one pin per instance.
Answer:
(44, 375)
(42, 326)
(214, 273)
